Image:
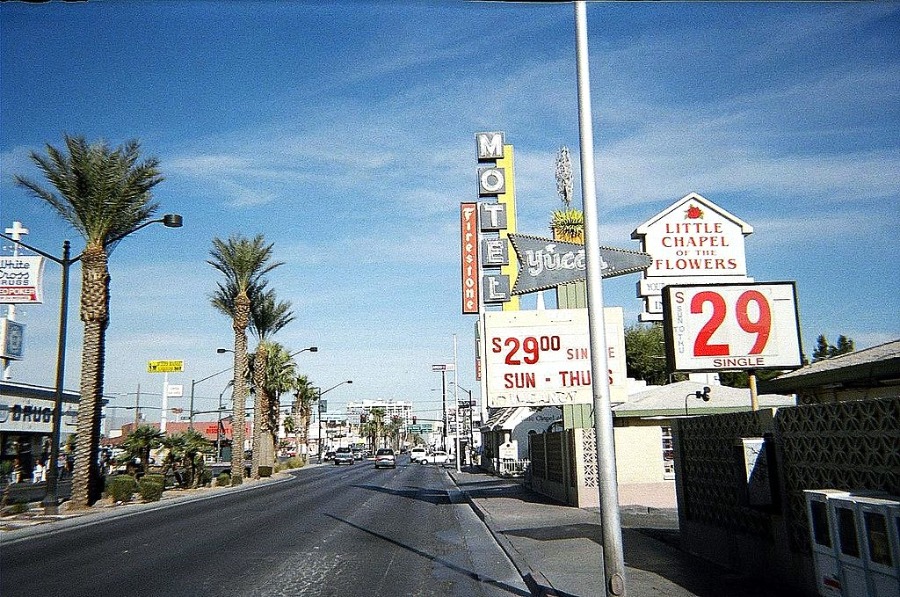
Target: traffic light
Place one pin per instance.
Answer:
(704, 395)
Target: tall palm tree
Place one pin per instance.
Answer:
(244, 262)
(277, 378)
(105, 194)
(305, 394)
(267, 316)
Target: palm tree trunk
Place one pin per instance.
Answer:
(241, 319)
(260, 414)
(95, 314)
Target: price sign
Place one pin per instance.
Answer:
(539, 358)
(721, 327)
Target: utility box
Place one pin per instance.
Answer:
(855, 538)
(825, 559)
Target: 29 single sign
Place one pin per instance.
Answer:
(721, 327)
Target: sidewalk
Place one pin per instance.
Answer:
(558, 549)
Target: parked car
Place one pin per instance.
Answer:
(385, 457)
(329, 455)
(436, 457)
(417, 454)
(343, 456)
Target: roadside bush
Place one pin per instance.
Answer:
(150, 490)
(120, 488)
(205, 477)
(223, 480)
(265, 471)
(155, 478)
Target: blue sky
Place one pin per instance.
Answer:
(344, 132)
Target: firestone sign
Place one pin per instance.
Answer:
(691, 241)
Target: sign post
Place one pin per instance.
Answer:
(165, 367)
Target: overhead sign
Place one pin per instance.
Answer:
(546, 263)
(165, 366)
(541, 358)
(721, 327)
(21, 280)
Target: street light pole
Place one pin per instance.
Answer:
(319, 408)
(51, 498)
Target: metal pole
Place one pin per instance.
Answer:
(613, 554)
(51, 498)
(456, 399)
(444, 408)
(191, 416)
(137, 407)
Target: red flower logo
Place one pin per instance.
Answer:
(693, 213)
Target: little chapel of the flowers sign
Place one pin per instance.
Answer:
(693, 241)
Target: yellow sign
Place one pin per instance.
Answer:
(165, 366)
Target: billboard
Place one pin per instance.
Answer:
(21, 280)
(543, 358)
(722, 327)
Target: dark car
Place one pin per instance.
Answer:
(384, 457)
(343, 456)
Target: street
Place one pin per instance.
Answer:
(325, 530)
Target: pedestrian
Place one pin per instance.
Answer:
(38, 475)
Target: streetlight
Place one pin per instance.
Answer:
(51, 499)
(319, 408)
(195, 382)
(470, 405)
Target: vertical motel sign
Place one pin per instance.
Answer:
(485, 226)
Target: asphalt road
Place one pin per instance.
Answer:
(326, 531)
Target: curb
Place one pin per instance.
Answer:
(537, 583)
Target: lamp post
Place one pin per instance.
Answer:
(319, 408)
(470, 405)
(195, 382)
(51, 498)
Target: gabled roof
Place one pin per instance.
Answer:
(669, 400)
(696, 197)
(872, 366)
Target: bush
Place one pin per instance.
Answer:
(223, 480)
(155, 478)
(265, 471)
(120, 487)
(150, 490)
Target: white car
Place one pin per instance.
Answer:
(417, 454)
(436, 457)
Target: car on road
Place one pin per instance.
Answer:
(385, 457)
(436, 457)
(417, 454)
(343, 456)
(329, 455)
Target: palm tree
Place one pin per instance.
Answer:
(244, 262)
(105, 194)
(277, 377)
(267, 316)
(304, 397)
(141, 441)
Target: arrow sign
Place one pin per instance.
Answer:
(546, 263)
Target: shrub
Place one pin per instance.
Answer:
(150, 490)
(265, 471)
(120, 487)
(155, 478)
(223, 480)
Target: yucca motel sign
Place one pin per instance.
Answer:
(530, 358)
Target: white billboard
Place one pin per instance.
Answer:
(542, 358)
(21, 279)
(721, 327)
